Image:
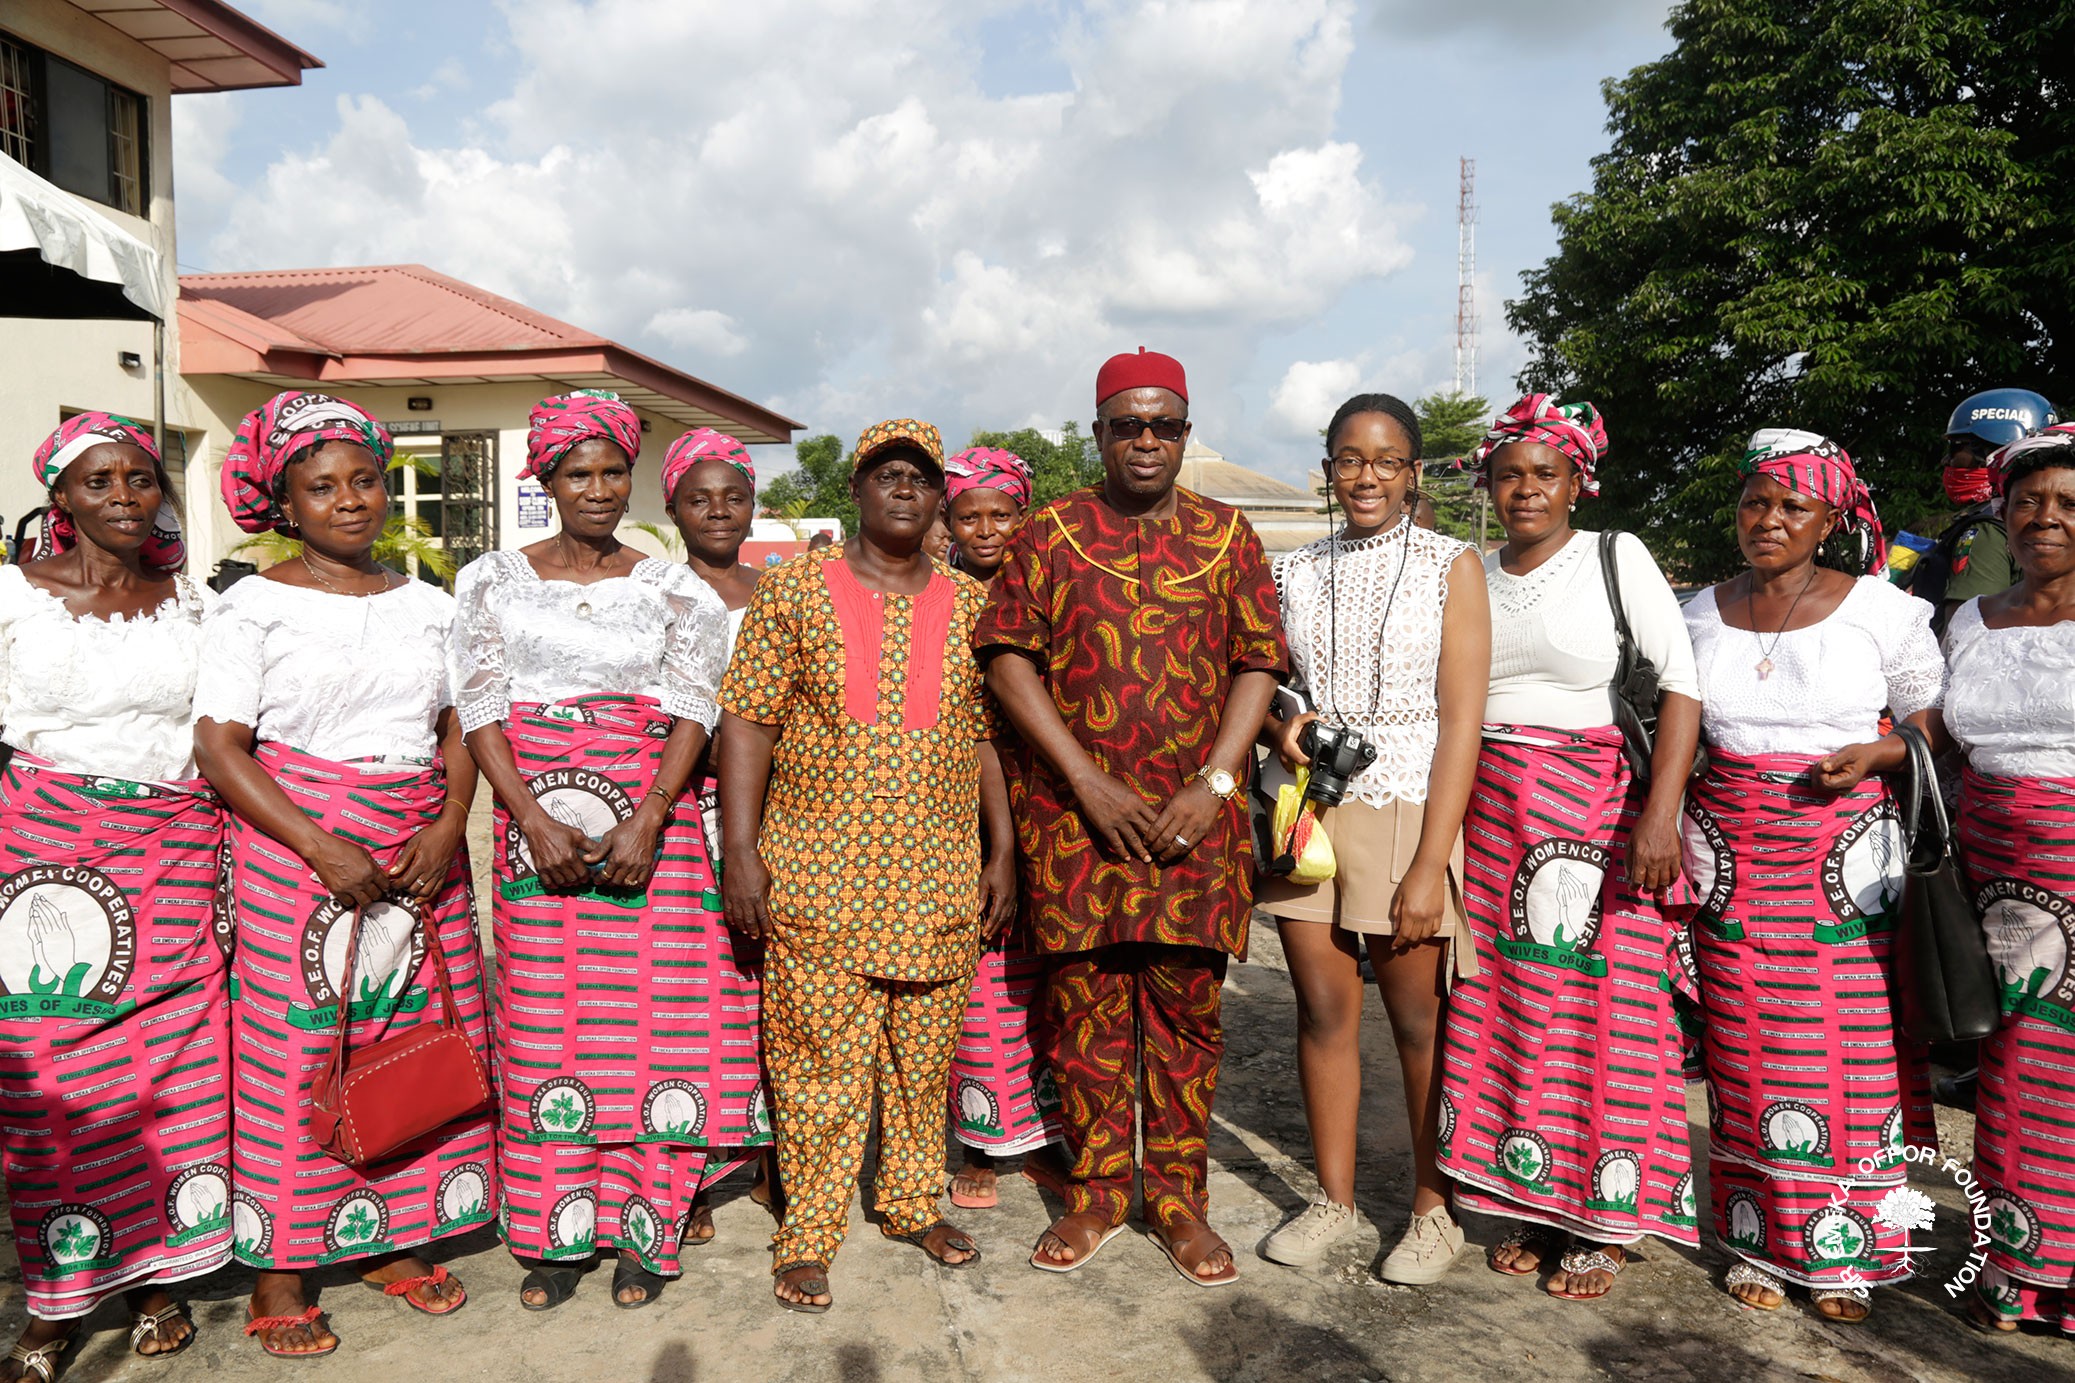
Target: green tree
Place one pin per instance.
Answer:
(1057, 468)
(1450, 425)
(820, 488)
(1841, 215)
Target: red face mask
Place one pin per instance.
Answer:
(1968, 484)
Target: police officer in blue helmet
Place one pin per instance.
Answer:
(1972, 557)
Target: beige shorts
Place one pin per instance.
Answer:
(1372, 849)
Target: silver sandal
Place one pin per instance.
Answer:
(1746, 1275)
(1579, 1260)
(1544, 1241)
(147, 1323)
(1819, 1295)
(40, 1361)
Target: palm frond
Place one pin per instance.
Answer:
(672, 542)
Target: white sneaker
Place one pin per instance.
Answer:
(1304, 1240)
(1427, 1251)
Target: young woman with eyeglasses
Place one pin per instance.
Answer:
(1390, 635)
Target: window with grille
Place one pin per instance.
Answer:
(17, 104)
(81, 131)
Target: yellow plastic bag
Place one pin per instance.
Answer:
(1299, 835)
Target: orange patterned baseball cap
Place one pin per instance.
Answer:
(898, 432)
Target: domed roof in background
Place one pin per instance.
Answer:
(1284, 516)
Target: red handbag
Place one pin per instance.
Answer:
(367, 1104)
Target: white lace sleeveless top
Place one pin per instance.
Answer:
(1367, 656)
(658, 631)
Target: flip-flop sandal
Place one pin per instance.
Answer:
(628, 1273)
(1045, 1265)
(1230, 1275)
(956, 1239)
(557, 1282)
(1545, 1242)
(1745, 1275)
(816, 1286)
(693, 1241)
(1580, 1261)
(404, 1286)
(259, 1325)
(967, 1201)
(146, 1324)
(40, 1363)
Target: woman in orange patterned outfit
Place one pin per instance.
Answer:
(856, 772)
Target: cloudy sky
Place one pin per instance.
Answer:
(852, 209)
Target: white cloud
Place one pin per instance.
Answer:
(1310, 391)
(821, 194)
(1545, 19)
(202, 128)
(699, 329)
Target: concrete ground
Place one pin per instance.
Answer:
(1127, 1315)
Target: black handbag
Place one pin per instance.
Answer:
(1635, 680)
(1944, 980)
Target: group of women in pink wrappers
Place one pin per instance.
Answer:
(205, 792)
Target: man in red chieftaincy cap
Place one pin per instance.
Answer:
(1149, 642)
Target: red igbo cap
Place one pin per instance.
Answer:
(1145, 370)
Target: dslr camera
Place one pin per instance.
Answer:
(1337, 754)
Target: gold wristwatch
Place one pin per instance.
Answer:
(1222, 784)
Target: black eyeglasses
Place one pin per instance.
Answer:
(1386, 468)
(1126, 429)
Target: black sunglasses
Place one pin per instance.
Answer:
(1126, 429)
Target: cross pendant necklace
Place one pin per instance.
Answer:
(1764, 665)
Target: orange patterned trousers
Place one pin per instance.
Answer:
(831, 1041)
(1141, 1020)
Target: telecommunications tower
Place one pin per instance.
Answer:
(1466, 281)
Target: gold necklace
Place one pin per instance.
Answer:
(350, 595)
(1764, 663)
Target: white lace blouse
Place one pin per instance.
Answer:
(1830, 681)
(109, 697)
(659, 631)
(338, 676)
(2010, 698)
(1553, 646)
(1372, 667)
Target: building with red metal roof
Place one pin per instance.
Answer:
(453, 370)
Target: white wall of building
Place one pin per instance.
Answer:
(50, 369)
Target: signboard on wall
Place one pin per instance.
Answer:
(534, 506)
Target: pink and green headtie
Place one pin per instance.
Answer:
(990, 468)
(704, 444)
(165, 549)
(1811, 464)
(1575, 429)
(270, 437)
(564, 420)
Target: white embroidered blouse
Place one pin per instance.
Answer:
(1829, 682)
(2010, 700)
(659, 631)
(338, 676)
(1371, 664)
(110, 697)
(1553, 646)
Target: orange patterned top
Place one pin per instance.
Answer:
(872, 819)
